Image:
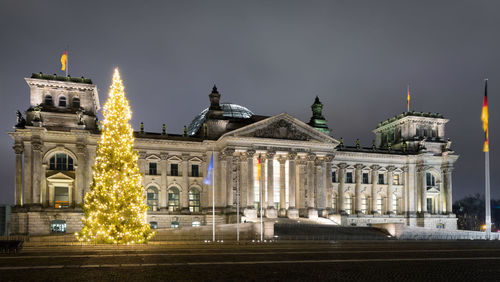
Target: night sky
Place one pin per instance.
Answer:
(272, 57)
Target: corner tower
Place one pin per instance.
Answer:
(318, 121)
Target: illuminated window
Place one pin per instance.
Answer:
(196, 224)
(153, 169)
(364, 204)
(430, 205)
(195, 170)
(76, 103)
(348, 177)
(61, 161)
(62, 101)
(152, 198)
(173, 199)
(174, 170)
(365, 178)
(58, 226)
(153, 224)
(61, 197)
(395, 179)
(379, 204)
(348, 204)
(49, 101)
(194, 200)
(174, 224)
(394, 202)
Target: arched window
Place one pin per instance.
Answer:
(194, 200)
(379, 204)
(58, 226)
(394, 203)
(61, 161)
(153, 225)
(62, 101)
(49, 101)
(364, 204)
(196, 224)
(76, 103)
(348, 203)
(173, 199)
(152, 198)
(174, 224)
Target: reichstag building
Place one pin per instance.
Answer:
(405, 176)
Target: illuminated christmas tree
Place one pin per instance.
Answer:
(115, 208)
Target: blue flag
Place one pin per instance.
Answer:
(208, 179)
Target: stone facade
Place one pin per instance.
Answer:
(404, 177)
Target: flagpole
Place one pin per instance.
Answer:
(408, 97)
(213, 203)
(487, 193)
(238, 210)
(261, 198)
(67, 60)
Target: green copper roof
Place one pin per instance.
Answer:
(318, 121)
(61, 78)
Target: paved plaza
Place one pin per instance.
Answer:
(279, 261)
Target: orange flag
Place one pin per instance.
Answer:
(64, 60)
(408, 99)
(484, 117)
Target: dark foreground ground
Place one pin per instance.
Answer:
(301, 261)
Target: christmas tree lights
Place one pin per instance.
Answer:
(115, 208)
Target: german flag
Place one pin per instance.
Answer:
(484, 117)
(64, 60)
(408, 99)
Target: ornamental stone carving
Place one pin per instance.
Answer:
(281, 129)
(250, 153)
(270, 155)
(18, 148)
(164, 156)
(292, 155)
(311, 157)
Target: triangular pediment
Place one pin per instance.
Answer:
(60, 176)
(282, 126)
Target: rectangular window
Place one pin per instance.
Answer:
(333, 175)
(174, 170)
(379, 205)
(364, 205)
(395, 179)
(61, 197)
(380, 178)
(431, 181)
(365, 178)
(153, 169)
(194, 171)
(348, 204)
(430, 206)
(349, 177)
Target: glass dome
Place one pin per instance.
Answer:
(230, 110)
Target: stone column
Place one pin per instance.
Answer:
(422, 170)
(229, 179)
(80, 173)
(292, 190)
(328, 183)
(448, 188)
(390, 189)
(163, 189)
(300, 195)
(282, 161)
(37, 171)
(311, 208)
(28, 168)
(357, 188)
(340, 192)
(184, 194)
(270, 211)
(243, 179)
(44, 187)
(320, 188)
(375, 169)
(220, 196)
(18, 148)
(250, 210)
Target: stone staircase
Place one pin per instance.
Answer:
(310, 231)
